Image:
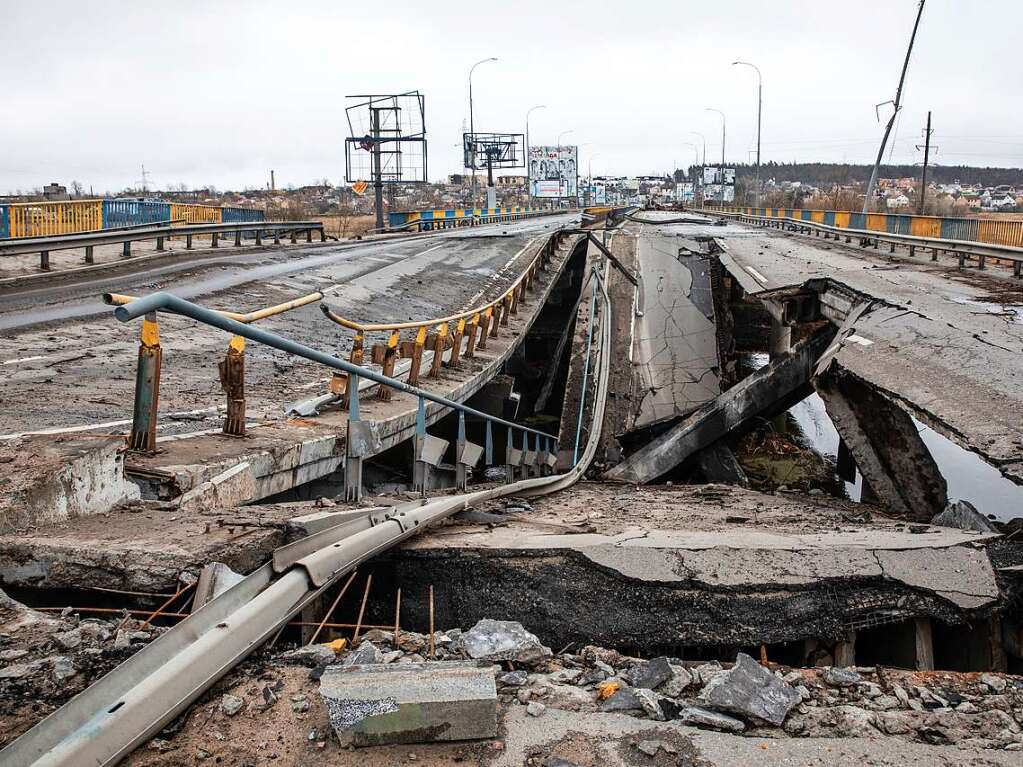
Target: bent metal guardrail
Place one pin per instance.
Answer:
(474, 326)
(963, 250)
(428, 450)
(105, 722)
(89, 240)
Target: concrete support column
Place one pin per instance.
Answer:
(845, 650)
(924, 645)
(884, 440)
(780, 342)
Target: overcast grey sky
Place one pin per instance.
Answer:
(219, 92)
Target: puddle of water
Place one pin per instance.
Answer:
(969, 477)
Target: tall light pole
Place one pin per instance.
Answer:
(701, 164)
(472, 125)
(722, 175)
(760, 104)
(529, 186)
(561, 178)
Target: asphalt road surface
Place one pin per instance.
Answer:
(66, 362)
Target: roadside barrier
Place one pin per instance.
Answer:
(963, 250)
(450, 218)
(46, 219)
(984, 230)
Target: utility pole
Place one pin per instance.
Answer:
(273, 183)
(927, 155)
(897, 105)
(378, 183)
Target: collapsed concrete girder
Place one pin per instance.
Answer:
(763, 391)
(891, 456)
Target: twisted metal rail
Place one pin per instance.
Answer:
(133, 702)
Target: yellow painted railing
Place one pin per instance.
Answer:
(196, 214)
(30, 219)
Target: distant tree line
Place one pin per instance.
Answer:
(825, 174)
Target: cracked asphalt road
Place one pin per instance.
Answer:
(65, 362)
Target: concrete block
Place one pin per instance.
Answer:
(382, 704)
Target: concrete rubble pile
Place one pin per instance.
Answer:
(47, 658)
(972, 710)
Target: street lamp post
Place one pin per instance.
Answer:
(472, 125)
(760, 104)
(529, 187)
(721, 177)
(561, 177)
(701, 164)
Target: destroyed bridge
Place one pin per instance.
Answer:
(700, 435)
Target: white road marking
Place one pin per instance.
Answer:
(105, 425)
(860, 340)
(24, 359)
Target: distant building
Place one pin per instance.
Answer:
(55, 191)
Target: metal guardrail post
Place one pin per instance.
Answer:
(238, 238)
(485, 328)
(417, 356)
(188, 242)
(509, 459)
(470, 339)
(387, 366)
(89, 257)
(215, 241)
(506, 304)
(159, 243)
(44, 260)
(126, 249)
(354, 443)
(498, 306)
(232, 380)
(147, 387)
(438, 349)
(356, 358)
(456, 343)
(489, 445)
(513, 308)
(259, 236)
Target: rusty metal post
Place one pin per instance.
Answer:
(147, 387)
(506, 304)
(470, 339)
(232, 380)
(387, 367)
(417, 356)
(514, 308)
(44, 260)
(456, 343)
(485, 328)
(497, 318)
(438, 349)
(355, 358)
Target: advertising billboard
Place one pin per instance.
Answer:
(553, 171)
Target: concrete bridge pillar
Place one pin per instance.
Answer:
(884, 440)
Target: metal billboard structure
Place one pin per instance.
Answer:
(553, 171)
(492, 150)
(386, 142)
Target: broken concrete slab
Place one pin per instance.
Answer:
(763, 392)
(964, 516)
(750, 690)
(493, 640)
(381, 704)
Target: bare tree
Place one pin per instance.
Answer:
(77, 189)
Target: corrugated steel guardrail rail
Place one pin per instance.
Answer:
(126, 236)
(964, 250)
(45, 219)
(426, 220)
(945, 227)
(474, 326)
